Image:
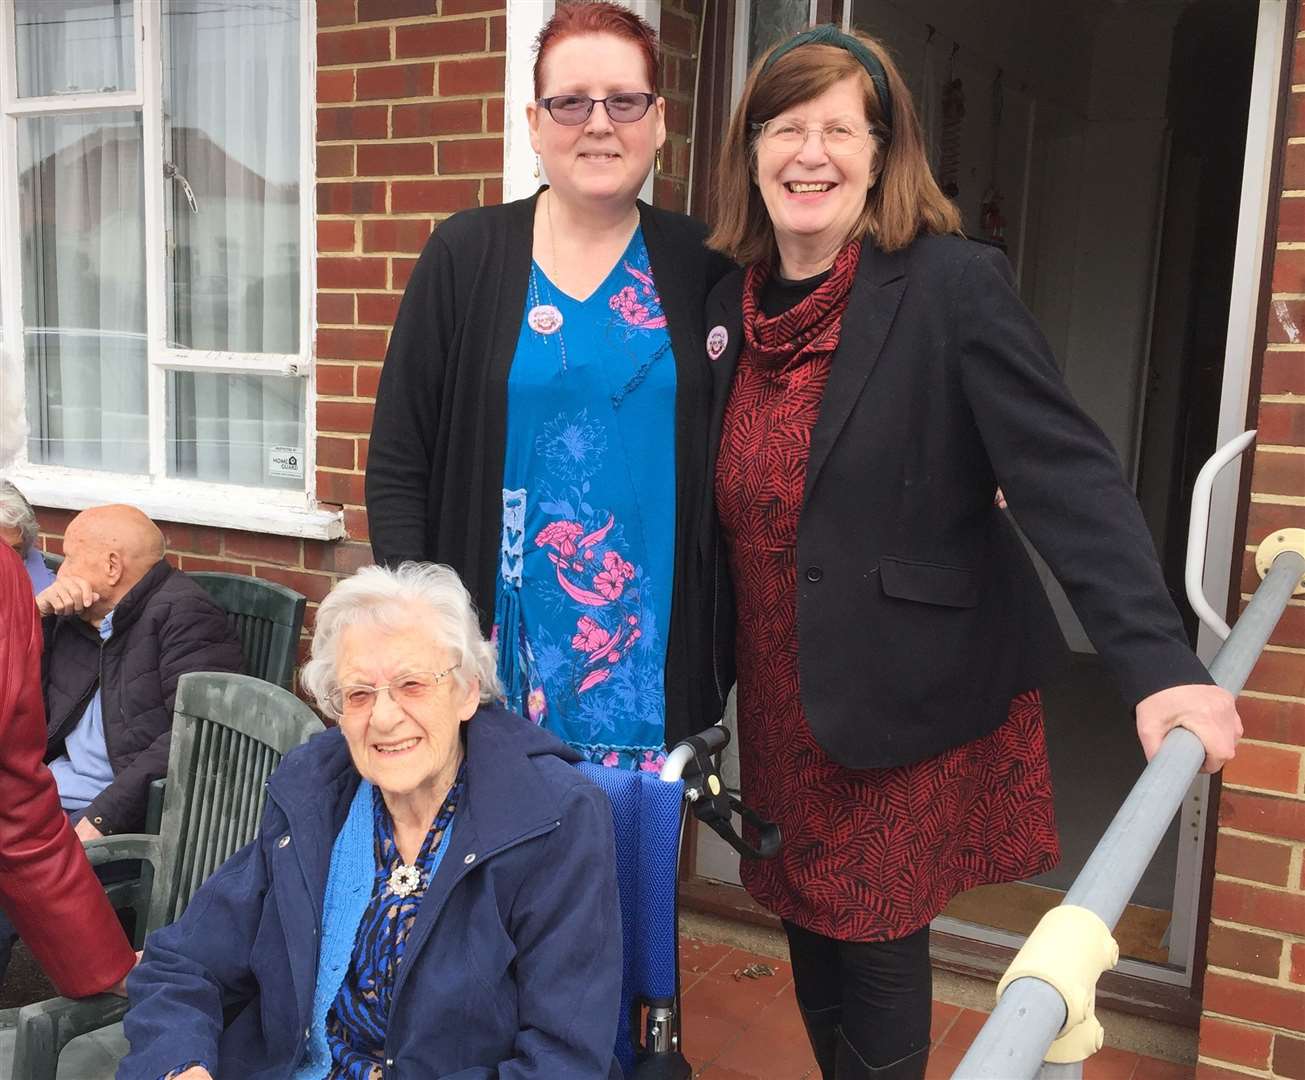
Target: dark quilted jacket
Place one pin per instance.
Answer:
(166, 626)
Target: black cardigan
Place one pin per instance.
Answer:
(919, 613)
(435, 462)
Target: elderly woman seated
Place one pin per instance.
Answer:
(18, 529)
(432, 892)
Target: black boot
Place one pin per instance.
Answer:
(823, 1031)
(852, 1066)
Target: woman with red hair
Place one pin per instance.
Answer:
(541, 418)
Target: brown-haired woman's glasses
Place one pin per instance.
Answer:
(573, 109)
(788, 136)
(358, 699)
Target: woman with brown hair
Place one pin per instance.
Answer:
(876, 378)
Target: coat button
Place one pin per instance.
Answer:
(389, 1061)
(471, 858)
(284, 841)
(814, 574)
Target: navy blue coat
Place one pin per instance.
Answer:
(513, 969)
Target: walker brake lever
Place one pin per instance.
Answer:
(715, 806)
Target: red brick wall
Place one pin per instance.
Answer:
(1254, 1020)
(409, 130)
(679, 39)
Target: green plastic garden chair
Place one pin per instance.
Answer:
(228, 734)
(268, 618)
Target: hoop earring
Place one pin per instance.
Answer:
(657, 160)
(536, 168)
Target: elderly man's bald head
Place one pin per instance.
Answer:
(111, 548)
(121, 528)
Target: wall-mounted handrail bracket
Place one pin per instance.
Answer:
(1275, 544)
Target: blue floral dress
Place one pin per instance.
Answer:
(584, 587)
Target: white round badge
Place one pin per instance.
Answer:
(544, 319)
(717, 338)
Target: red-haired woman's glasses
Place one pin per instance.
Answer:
(573, 109)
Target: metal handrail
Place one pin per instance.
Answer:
(1029, 1016)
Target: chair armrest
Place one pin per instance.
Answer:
(154, 805)
(125, 847)
(46, 1027)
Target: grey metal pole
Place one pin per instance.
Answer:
(1013, 1042)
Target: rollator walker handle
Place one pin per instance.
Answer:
(714, 805)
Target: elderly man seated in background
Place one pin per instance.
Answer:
(431, 829)
(18, 529)
(121, 627)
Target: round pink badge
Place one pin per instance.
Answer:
(717, 338)
(544, 319)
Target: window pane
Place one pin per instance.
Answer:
(74, 46)
(83, 260)
(775, 21)
(232, 154)
(237, 429)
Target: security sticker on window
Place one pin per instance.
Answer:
(287, 461)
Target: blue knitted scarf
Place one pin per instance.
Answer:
(348, 890)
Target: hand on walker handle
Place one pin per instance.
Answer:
(1209, 712)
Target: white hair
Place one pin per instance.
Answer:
(17, 513)
(386, 598)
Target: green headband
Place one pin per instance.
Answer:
(832, 35)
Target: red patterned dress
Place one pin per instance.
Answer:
(867, 854)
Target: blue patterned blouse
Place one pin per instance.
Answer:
(356, 1024)
(588, 548)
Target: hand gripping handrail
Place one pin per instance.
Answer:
(1050, 988)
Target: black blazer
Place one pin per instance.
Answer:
(919, 612)
(434, 483)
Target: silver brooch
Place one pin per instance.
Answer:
(404, 880)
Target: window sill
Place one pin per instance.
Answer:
(182, 502)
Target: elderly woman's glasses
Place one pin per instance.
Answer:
(788, 136)
(358, 699)
(573, 109)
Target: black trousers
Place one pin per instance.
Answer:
(882, 990)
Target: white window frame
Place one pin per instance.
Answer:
(251, 508)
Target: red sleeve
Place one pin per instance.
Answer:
(47, 887)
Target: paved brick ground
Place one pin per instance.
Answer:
(737, 1028)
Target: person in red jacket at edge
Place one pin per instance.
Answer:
(47, 888)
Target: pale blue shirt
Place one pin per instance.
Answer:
(42, 576)
(83, 771)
